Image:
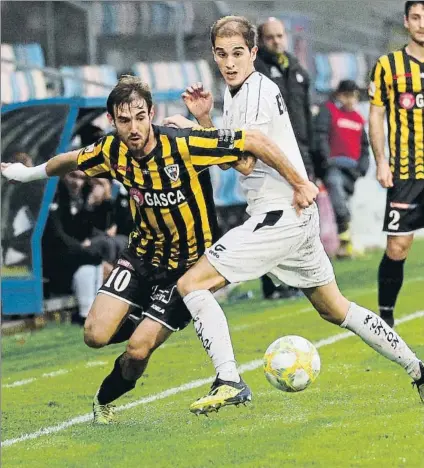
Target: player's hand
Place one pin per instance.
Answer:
(18, 172)
(97, 195)
(4, 166)
(106, 188)
(178, 121)
(304, 195)
(245, 165)
(112, 231)
(14, 172)
(384, 174)
(198, 101)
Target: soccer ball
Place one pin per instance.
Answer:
(291, 363)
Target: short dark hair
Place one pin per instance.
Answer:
(229, 26)
(409, 5)
(126, 90)
(347, 86)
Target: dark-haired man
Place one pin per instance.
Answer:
(174, 220)
(397, 93)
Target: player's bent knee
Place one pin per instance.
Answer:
(94, 337)
(398, 247)
(139, 351)
(185, 285)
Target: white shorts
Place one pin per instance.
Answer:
(280, 243)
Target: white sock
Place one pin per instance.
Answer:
(211, 327)
(383, 339)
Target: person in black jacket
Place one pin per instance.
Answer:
(73, 244)
(284, 69)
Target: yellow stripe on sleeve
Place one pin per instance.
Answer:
(213, 160)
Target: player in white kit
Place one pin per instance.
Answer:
(276, 238)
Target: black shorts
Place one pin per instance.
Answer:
(404, 207)
(149, 289)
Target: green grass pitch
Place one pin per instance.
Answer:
(361, 411)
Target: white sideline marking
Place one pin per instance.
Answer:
(355, 292)
(18, 383)
(272, 319)
(55, 373)
(249, 366)
(95, 363)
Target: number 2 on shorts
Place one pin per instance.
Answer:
(394, 223)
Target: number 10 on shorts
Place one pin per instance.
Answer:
(119, 279)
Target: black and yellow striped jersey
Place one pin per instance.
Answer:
(173, 212)
(397, 82)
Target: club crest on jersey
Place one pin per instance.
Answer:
(173, 172)
(407, 100)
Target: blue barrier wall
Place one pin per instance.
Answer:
(22, 286)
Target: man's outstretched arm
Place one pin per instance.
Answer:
(57, 166)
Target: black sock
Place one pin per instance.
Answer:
(114, 385)
(390, 279)
(268, 286)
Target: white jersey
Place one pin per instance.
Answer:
(258, 104)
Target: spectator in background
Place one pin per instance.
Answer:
(100, 215)
(292, 79)
(122, 213)
(111, 223)
(342, 148)
(74, 249)
(23, 157)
